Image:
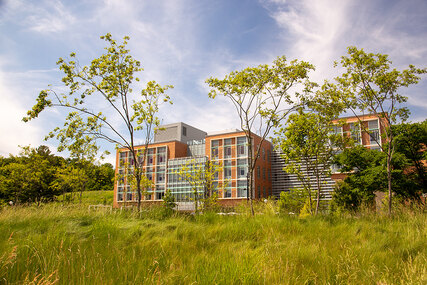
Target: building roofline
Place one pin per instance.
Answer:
(155, 143)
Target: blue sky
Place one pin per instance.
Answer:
(184, 42)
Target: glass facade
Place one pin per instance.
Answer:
(229, 154)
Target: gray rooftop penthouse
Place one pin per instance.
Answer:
(179, 132)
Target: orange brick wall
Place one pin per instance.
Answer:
(263, 164)
(174, 149)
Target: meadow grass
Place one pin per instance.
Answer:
(68, 244)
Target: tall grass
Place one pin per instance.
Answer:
(57, 244)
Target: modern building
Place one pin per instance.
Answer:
(178, 145)
(367, 133)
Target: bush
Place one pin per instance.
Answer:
(292, 202)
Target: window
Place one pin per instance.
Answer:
(227, 169)
(258, 170)
(214, 148)
(242, 168)
(161, 155)
(355, 133)
(242, 147)
(140, 156)
(215, 187)
(263, 153)
(227, 151)
(227, 192)
(160, 192)
(374, 132)
(149, 174)
(129, 196)
(242, 189)
(120, 193)
(160, 175)
(121, 177)
(263, 173)
(227, 148)
(259, 191)
(122, 158)
(184, 131)
(150, 157)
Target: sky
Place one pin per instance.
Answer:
(184, 42)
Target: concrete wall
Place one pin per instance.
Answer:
(178, 131)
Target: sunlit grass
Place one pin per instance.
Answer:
(72, 245)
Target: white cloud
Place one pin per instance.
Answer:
(319, 32)
(14, 131)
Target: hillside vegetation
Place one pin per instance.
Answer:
(68, 244)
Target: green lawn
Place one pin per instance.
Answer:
(70, 245)
(89, 197)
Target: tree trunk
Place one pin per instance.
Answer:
(251, 169)
(138, 190)
(318, 193)
(389, 182)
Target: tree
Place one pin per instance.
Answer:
(370, 85)
(411, 141)
(30, 176)
(101, 177)
(367, 175)
(258, 95)
(200, 175)
(105, 84)
(307, 144)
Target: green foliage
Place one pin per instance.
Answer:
(411, 141)
(293, 201)
(169, 202)
(307, 146)
(105, 83)
(201, 176)
(30, 176)
(39, 176)
(366, 175)
(69, 245)
(262, 97)
(370, 85)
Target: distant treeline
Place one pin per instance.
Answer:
(37, 175)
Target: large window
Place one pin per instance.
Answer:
(150, 157)
(355, 133)
(227, 148)
(374, 132)
(227, 169)
(160, 174)
(214, 148)
(122, 158)
(242, 189)
(160, 192)
(120, 192)
(161, 155)
(242, 168)
(242, 147)
(227, 192)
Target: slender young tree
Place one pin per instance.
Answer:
(200, 176)
(105, 84)
(369, 85)
(307, 144)
(262, 97)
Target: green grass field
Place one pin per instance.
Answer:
(68, 244)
